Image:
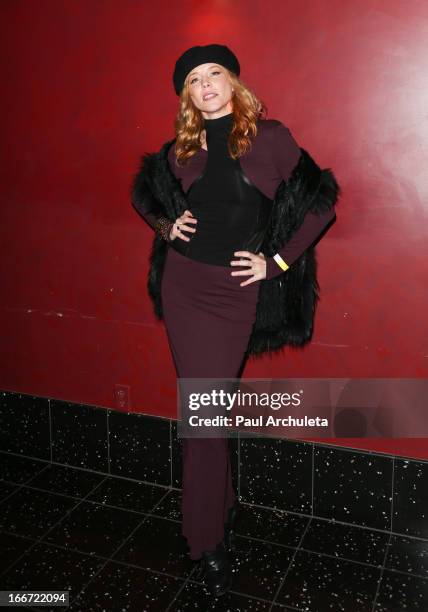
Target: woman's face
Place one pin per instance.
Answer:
(211, 90)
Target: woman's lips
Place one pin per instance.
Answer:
(209, 96)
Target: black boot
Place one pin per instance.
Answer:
(217, 571)
(229, 527)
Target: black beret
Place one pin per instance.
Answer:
(218, 54)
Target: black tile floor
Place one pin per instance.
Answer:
(116, 545)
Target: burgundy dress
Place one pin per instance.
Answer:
(208, 316)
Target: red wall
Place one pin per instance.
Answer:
(87, 88)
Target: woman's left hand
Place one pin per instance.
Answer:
(256, 266)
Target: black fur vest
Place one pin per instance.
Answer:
(287, 303)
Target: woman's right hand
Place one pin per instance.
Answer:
(181, 224)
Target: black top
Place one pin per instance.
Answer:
(232, 213)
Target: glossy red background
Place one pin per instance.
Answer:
(87, 88)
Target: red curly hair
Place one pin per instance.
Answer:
(189, 122)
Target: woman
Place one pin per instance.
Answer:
(236, 206)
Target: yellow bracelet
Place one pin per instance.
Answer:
(281, 263)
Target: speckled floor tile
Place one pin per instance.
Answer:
(49, 567)
(196, 597)
(176, 456)
(276, 473)
(123, 588)
(11, 548)
(24, 424)
(399, 592)
(258, 567)
(353, 543)
(19, 469)
(408, 555)
(66, 480)
(79, 435)
(140, 447)
(170, 506)
(158, 545)
(410, 514)
(319, 583)
(32, 513)
(6, 489)
(128, 494)
(353, 487)
(94, 529)
(277, 526)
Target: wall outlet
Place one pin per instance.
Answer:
(122, 396)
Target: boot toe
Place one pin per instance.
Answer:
(217, 570)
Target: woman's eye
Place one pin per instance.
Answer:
(195, 78)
